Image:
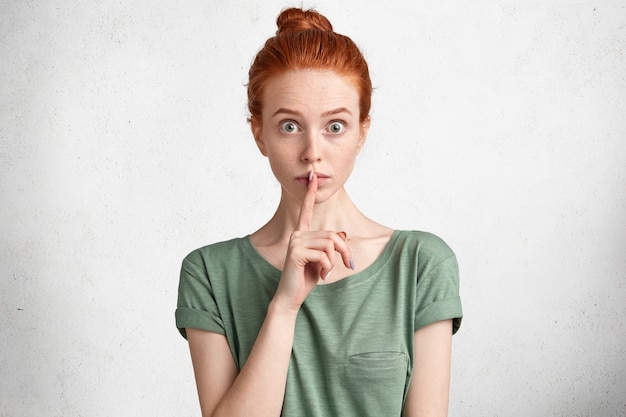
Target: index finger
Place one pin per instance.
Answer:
(306, 211)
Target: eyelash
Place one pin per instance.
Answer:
(332, 122)
(341, 122)
(285, 122)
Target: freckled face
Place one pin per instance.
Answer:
(310, 121)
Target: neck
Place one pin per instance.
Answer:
(337, 213)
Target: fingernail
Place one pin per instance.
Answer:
(343, 235)
(310, 175)
(327, 275)
(352, 264)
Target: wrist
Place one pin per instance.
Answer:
(282, 309)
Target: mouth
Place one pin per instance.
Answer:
(304, 178)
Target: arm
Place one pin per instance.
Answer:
(260, 386)
(430, 386)
(213, 366)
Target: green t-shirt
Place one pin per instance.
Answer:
(353, 349)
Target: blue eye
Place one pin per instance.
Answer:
(289, 126)
(336, 127)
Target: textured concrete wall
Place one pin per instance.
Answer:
(499, 125)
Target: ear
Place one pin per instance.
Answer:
(255, 127)
(365, 127)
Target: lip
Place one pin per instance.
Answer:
(304, 178)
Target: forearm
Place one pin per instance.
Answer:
(259, 388)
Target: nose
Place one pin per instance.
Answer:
(311, 152)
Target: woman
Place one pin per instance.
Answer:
(322, 311)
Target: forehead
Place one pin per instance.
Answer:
(310, 91)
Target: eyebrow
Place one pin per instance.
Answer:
(283, 110)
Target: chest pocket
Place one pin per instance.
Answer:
(378, 381)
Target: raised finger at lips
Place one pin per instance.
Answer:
(308, 204)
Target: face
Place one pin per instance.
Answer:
(310, 121)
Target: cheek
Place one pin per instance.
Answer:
(348, 150)
(279, 160)
(280, 154)
(345, 159)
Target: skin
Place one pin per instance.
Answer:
(310, 124)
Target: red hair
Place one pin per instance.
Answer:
(305, 40)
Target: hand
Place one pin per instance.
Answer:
(310, 255)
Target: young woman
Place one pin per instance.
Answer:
(322, 311)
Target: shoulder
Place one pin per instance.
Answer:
(425, 250)
(227, 249)
(425, 244)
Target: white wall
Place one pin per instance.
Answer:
(499, 125)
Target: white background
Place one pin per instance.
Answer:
(498, 125)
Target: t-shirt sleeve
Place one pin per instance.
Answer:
(196, 306)
(437, 294)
